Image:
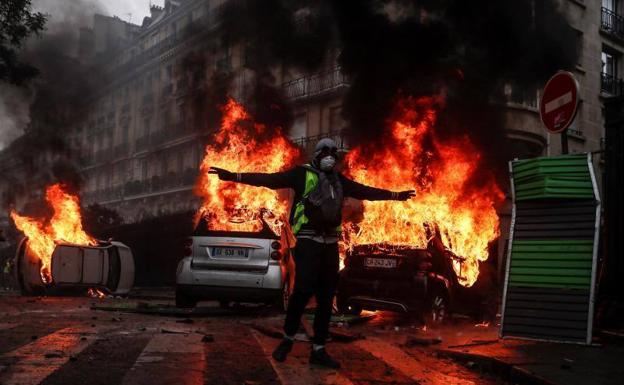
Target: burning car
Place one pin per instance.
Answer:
(400, 278)
(58, 254)
(108, 267)
(241, 266)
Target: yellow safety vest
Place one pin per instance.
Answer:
(299, 218)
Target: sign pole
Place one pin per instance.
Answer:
(564, 143)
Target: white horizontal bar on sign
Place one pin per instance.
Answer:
(558, 102)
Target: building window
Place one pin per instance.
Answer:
(610, 83)
(299, 128)
(611, 21)
(609, 5)
(336, 123)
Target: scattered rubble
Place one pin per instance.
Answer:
(412, 341)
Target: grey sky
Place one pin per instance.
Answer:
(122, 8)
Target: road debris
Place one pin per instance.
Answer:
(54, 354)
(420, 341)
(474, 343)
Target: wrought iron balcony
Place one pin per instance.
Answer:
(612, 23)
(611, 85)
(309, 142)
(315, 85)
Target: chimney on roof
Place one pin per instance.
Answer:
(155, 11)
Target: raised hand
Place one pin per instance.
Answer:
(405, 195)
(222, 173)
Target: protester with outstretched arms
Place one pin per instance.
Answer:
(315, 218)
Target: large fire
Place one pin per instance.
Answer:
(64, 226)
(241, 145)
(412, 156)
(442, 171)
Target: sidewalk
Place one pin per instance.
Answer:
(535, 362)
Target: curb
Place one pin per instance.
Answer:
(505, 370)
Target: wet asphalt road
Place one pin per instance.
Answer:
(64, 341)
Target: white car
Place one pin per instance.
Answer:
(235, 267)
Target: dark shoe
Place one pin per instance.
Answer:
(320, 357)
(281, 351)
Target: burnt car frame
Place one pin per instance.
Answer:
(404, 279)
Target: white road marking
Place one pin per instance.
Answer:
(406, 364)
(169, 359)
(6, 326)
(558, 102)
(295, 372)
(31, 364)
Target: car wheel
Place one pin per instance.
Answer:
(185, 301)
(345, 308)
(437, 311)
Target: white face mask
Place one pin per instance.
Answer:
(327, 163)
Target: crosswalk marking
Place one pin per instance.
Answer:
(295, 372)
(406, 364)
(33, 362)
(6, 326)
(169, 359)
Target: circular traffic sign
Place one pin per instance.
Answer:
(559, 102)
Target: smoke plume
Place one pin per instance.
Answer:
(43, 112)
(464, 50)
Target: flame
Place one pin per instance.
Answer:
(241, 145)
(64, 226)
(442, 171)
(95, 293)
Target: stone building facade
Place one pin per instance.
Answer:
(140, 149)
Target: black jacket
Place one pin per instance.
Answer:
(295, 179)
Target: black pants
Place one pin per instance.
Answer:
(316, 273)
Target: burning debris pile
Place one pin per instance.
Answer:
(65, 225)
(442, 170)
(243, 146)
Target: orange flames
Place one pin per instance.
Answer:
(413, 156)
(241, 145)
(64, 226)
(441, 172)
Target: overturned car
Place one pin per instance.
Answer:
(108, 267)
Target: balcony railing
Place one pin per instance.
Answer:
(308, 143)
(154, 185)
(318, 84)
(611, 85)
(612, 23)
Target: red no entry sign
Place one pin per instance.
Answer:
(559, 102)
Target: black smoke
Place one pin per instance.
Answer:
(56, 102)
(466, 50)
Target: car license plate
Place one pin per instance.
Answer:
(384, 263)
(229, 252)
